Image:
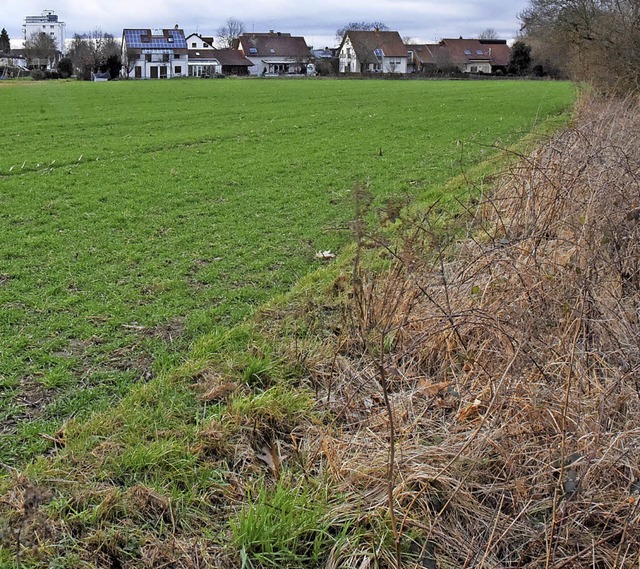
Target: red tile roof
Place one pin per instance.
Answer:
(463, 51)
(364, 43)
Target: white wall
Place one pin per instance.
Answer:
(156, 61)
(198, 41)
(55, 30)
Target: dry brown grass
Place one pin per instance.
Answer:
(512, 361)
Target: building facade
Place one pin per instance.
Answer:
(154, 53)
(49, 24)
(372, 52)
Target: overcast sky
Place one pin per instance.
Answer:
(424, 21)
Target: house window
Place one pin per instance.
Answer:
(138, 72)
(165, 57)
(179, 69)
(474, 69)
(253, 50)
(193, 44)
(147, 57)
(176, 56)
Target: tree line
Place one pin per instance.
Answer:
(586, 40)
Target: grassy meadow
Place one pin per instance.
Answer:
(137, 216)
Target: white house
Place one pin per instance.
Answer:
(49, 24)
(154, 54)
(275, 53)
(372, 52)
(196, 41)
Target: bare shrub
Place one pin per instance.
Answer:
(512, 359)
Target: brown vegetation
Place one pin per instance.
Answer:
(588, 40)
(510, 359)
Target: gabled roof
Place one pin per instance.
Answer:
(140, 38)
(205, 39)
(425, 53)
(232, 57)
(366, 43)
(461, 50)
(273, 44)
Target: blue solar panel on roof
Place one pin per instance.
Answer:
(140, 39)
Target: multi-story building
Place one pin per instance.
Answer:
(154, 53)
(49, 24)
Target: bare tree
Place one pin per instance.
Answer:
(129, 59)
(40, 50)
(488, 34)
(594, 40)
(90, 51)
(360, 27)
(231, 30)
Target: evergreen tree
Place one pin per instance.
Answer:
(520, 60)
(5, 43)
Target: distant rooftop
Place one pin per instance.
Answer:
(47, 16)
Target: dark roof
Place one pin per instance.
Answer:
(364, 43)
(424, 53)
(273, 44)
(145, 39)
(204, 54)
(226, 57)
(461, 50)
(232, 57)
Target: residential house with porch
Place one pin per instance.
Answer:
(154, 53)
(372, 52)
(212, 62)
(275, 53)
(207, 61)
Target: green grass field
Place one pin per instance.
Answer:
(137, 216)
